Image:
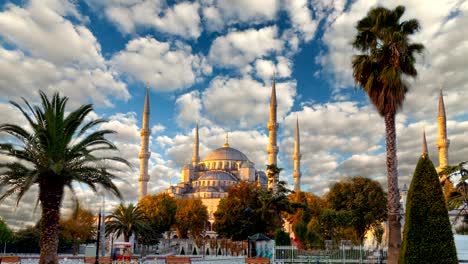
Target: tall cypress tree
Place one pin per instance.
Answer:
(427, 236)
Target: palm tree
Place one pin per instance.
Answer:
(273, 172)
(457, 198)
(54, 152)
(126, 221)
(387, 59)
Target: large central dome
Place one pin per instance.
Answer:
(226, 153)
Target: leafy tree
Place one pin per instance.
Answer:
(387, 58)
(57, 150)
(191, 217)
(457, 199)
(454, 170)
(249, 209)
(273, 206)
(79, 228)
(427, 235)
(27, 240)
(282, 238)
(5, 232)
(446, 178)
(306, 207)
(160, 209)
(378, 231)
(126, 221)
(330, 225)
(363, 200)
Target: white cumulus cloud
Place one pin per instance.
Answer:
(239, 48)
(165, 66)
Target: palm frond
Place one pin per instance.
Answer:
(48, 151)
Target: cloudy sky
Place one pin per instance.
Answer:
(212, 62)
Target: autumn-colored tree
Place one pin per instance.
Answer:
(79, 227)
(191, 217)
(363, 200)
(307, 209)
(159, 211)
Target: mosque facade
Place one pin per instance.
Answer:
(210, 178)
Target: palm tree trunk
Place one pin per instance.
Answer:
(50, 195)
(393, 201)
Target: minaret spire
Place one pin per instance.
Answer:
(272, 126)
(424, 143)
(442, 142)
(297, 159)
(226, 144)
(195, 155)
(144, 153)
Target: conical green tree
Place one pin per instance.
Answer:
(427, 236)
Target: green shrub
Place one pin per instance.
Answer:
(427, 236)
(282, 238)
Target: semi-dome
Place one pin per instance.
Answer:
(226, 153)
(217, 175)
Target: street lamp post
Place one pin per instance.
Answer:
(103, 227)
(98, 235)
(204, 235)
(248, 215)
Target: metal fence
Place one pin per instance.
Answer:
(343, 254)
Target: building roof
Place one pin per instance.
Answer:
(259, 237)
(226, 153)
(217, 175)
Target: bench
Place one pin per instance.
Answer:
(178, 260)
(257, 260)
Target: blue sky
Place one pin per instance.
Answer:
(212, 62)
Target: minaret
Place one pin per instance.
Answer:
(442, 142)
(272, 148)
(195, 155)
(144, 153)
(297, 159)
(424, 143)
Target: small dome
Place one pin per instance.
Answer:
(226, 153)
(217, 175)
